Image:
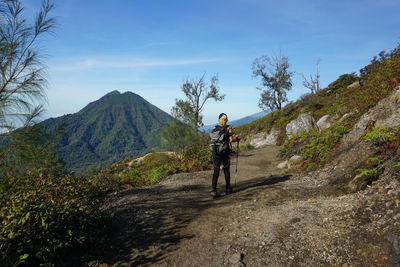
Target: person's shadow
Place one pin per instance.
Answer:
(261, 181)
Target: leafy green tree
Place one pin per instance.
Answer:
(22, 80)
(182, 134)
(177, 135)
(276, 80)
(30, 149)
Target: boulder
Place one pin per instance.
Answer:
(359, 183)
(345, 116)
(357, 131)
(355, 84)
(303, 123)
(324, 123)
(343, 167)
(296, 159)
(262, 139)
(283, 164)
(258, 139)
(272, 137)
(385, 114)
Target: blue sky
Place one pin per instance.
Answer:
(149, 46)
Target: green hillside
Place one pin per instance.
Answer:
(346, 99)
(115, 127)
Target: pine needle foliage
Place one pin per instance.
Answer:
(22, 80)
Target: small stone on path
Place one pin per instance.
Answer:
(235, 258)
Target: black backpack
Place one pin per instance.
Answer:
(219, 143)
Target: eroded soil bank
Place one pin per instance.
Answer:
(271, 219)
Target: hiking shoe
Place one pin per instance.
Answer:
(229, 190)
(214, 193)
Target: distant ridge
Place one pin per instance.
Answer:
(110, 129)
(238, 122)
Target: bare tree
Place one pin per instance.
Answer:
(276, 80)
(313, 83)
(22, 71)
(197, 92)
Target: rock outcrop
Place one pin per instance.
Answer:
(296, 159)
(283, 164)
(354, 152)
(287, 164)
(385, 114)
(262, 139)
(343, 168)
(325, 122)
(359, 182)
(355, 84)
(304, 122)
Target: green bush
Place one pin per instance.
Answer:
(336, 107)
(152, 168)
(156, 174)
(381, 135)
(198, 155)
(246, 147)
(378, 81)
(262, 124)
(284, 120)
(42, 217)
(310, 166)
(343, 81)
(313, 145)
(368, 172)
(373, 171)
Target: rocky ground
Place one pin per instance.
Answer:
(271, 219)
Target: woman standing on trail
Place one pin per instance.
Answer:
(221, 143)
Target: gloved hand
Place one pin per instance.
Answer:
(238, 137)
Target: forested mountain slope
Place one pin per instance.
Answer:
(110, 129)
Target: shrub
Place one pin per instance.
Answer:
(313, 145)
(311, 166)
(197, 156)
(129, 173)
(44, 216)
(246, 147)
(336, 106)
(283, 120)
(156, 174)
(343, 81)
(152, 169)
(368, 172)
(380, 135)
(373, 171)
(262, 124)
(378, 81)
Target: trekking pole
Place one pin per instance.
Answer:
(237, 160)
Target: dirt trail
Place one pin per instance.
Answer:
(271, 219)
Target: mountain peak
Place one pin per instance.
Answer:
(102, 99)
(115, 92)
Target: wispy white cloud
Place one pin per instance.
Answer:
(100, 63)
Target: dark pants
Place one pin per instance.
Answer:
(225, 159)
